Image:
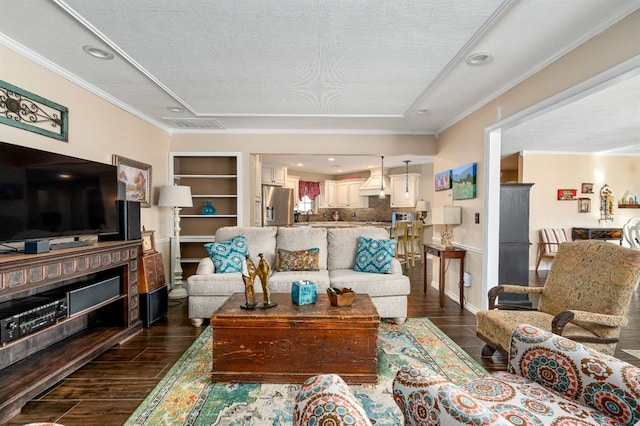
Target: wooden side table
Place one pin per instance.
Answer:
(444, 253)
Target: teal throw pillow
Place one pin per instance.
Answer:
(374, 255)
(228, 256)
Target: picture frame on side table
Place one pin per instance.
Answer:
(148, 242)
(137, 178)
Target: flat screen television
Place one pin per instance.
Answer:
(44, 195)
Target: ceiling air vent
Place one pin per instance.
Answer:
(195, 123)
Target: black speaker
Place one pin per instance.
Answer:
(128, 222)
(154, 305)
(36, 246)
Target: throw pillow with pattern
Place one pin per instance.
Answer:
(301, 260)
(228, 256)
(374, 255)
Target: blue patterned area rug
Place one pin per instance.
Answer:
(185, 396)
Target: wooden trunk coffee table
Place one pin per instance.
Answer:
(290, 343)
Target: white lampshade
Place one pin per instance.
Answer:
(447, 215)
(423, 206)
(175, 196)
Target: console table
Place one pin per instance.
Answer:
(34, 362)
(444, 253)
(597, 234)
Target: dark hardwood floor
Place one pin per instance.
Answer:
(107, 390)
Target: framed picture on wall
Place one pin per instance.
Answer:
(463, 182)
(587, 188)
(584, 205)
(567, 194)
(137, 179)
(443, 180)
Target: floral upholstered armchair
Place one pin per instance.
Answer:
(550, 380)
(585, 298)
(325, 399)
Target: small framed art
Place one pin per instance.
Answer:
(584, 205)
(148, 242)
(567, 194)
(137, 179)
(587, 188)
(443, 180)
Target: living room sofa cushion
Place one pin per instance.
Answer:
(282, 282)
(259, 240)
(374, 285)
(343, 244)
(374, 255)
(303, 238)
(299, 260)
(201, 285)
(228, 256)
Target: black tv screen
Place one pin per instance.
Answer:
(44, 195)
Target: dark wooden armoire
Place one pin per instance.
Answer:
(513, 267)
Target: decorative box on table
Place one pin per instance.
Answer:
(303, 292)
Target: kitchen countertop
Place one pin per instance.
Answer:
(343, 224)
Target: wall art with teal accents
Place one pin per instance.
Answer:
(27, 111)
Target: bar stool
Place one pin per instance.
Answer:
(415, 241)
(401, 234)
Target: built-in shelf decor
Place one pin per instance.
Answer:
(27, 111)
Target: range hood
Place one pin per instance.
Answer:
(372, 185)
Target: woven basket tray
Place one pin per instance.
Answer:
(344, 299)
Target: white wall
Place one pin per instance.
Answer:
(569, 172)
(97, 129)
(464, 142)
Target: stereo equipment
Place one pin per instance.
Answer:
(36, 246)
(21, 317)
(128, 222)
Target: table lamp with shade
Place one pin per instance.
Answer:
(447, 215)
(422, 206)
(176, 197)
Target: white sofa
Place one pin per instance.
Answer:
(208, 290)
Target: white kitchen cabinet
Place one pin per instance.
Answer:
(327, 197)
(292, 182)
(348, 194)
(274, 174)
(399, 185)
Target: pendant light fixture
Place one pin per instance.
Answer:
(382, 195)
(406, 178)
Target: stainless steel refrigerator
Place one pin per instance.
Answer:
(277, 206)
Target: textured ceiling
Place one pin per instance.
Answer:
(360, 66)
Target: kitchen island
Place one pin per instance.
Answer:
(344, 224)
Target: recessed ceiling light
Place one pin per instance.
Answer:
(96, 52)
(422, 111)
(300, 164)
(332, 159)
(479, 58)
(175, 109)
